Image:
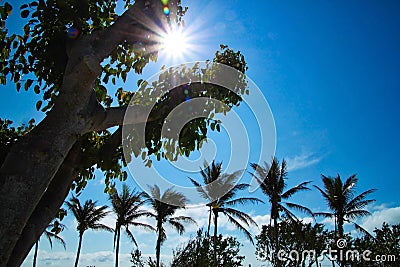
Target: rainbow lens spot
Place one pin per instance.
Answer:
(165, 2)
(72, 33)
(166, 10)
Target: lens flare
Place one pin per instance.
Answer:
(72, 33)
(175, 43)
(166, 10)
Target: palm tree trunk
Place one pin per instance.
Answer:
(117, 247)
(79, 249)
(276, 233)
(209, 221)
(340, 236)
(35, 255)
(215, 238)
(158, 246)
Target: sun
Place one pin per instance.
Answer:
(175, 43)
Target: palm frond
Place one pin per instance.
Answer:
(144, 226)
(178, 226)
(200, 189)
(289, 214)
(299, 208)
(354, 214)
(296, 189)
(51, 235)
(324, 214)
(358, 202)
(131, 237)
(362, 230)
(244, 217)
(323, 193)
(243, 201)
(240, 227)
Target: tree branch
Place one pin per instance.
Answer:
(115, 116)
(136, 24)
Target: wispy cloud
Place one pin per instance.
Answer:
(302, 161)
(378, 217)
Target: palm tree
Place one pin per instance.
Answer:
(341, 201)
(220, 191)
(50, 234)
(272, 181)
(164, 213)
(87, 216)
(127, 206)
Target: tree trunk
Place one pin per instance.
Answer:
(79, 249)
(35, 255)
(44, 149)
(276, 241)
(209, 221)
(215, 238)
(158, 245)
(42, 152)
(22, 188)
(117, 247)
(340, 236)
(48, 206)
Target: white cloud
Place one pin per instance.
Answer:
(388, 215)
(302, 161)
(85, 259)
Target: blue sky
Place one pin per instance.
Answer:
(330, 73)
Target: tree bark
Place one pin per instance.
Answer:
(79, 249)
(48, 206)
(215, 238)
(43, 150)
(276, 240)
(209, 221)
(117, 247)
(158, 245)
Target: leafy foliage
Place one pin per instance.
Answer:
(37, 58)
(196, 252)
(9, 135)
(293, 236)
(50, 30)
(385, 242)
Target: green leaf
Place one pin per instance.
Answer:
(24, 13)
(38, 104)
(8, 8)
(24, 6)
(36, 89)
(28, 84)
(33, 4)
